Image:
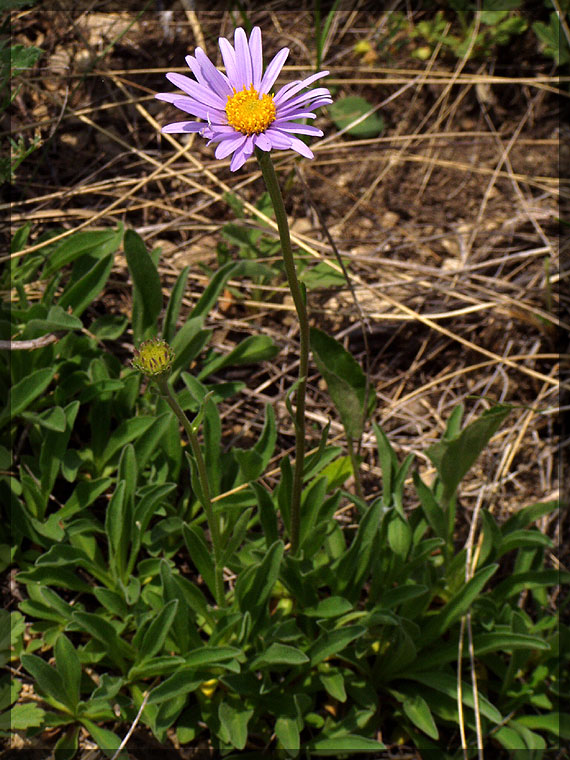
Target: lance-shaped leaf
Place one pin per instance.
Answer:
(345, 380)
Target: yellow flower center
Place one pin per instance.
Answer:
(153, 357)
(248, 112)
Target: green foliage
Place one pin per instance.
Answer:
(313, 654)
(498, 24)
(15, 60)
(256, 244)
(553, 40)
(345, 111)
(346, 382)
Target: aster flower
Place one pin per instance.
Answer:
(239, 113)
(153, 358)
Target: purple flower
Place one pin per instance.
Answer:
(239, 112)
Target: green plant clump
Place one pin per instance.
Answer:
(316, 653)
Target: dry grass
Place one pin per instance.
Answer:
(446, 220)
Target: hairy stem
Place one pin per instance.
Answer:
(213, 522)
(270, 177)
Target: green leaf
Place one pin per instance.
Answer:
(255, 348)
(207, 657)
(153, 667)
(556, 723)
(157, 631)
(455, 456)
(287, 731)
(322, 275)
(109, 326)
(255, 584)
(351, 568)
(388, 463)
(254, 461)
(348, 109)
(187, 343)
(431, 509)
(184, 681)
(22, 717)
(116, 527)
(200, 555)
(9, 692)
(417, 710)
(399, 535)
(83, 292)
(345, 380)
(333, 642)
(458, 605)
(522, 538)
(213, 290)
(105, 634)
(236, 537)
(54, 448)
(23, 393)
(234, 720)
(147, 293)
(57, 319)
(173, 307)
(528, 515)
(127, 431)
(483, 643)
(67, 745)
(445, 683)
(97, 244)
(69, 666)
(267, 513)
(333, 682)
(106, 740)
(48, 680)
(345, 743)
(333, 606)
(532, 579)
(50, 419)
(278, 654)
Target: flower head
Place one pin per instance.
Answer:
(153, 357)
(239, 111)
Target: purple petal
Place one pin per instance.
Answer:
(189, 105)
(225, 147)
(220, 132)
(216, 80)
(199, 92)
(293, 87)
(302, 129)
(169, 97)
(240, 157)
(318, 93)
(273, 71)
(301, 148)
(229, 59)
(294, 114)
(194, 67)
(183, 126)
(243, 57)
(286, 112)
(262, 142)
(256, 56)
(279, 140)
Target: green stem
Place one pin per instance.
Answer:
(355, 467)
(206, 500)
(270, 177)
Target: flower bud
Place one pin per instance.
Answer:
(153, 357)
